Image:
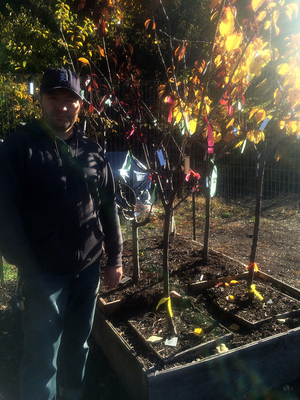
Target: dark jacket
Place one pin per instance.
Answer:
(57, 202)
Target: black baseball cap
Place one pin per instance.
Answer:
(60, 78)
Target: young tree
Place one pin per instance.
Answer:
(240, 51)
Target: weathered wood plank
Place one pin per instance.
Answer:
(254, 368)
(196, 351)
(109, 308)
(281, 285)
(202, 285)
(128, 368)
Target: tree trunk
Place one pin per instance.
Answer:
(260, 179)
(168, 211)
(135, 251)
(207, 210)
(194, 215)
(135, 245)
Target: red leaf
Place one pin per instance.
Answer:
(118, 42)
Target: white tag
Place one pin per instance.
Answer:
(213, 185)
(171, 342)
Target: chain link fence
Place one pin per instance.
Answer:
(237, 170)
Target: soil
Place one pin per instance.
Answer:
(230, 234)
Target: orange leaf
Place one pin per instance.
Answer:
(83, 60)
(101, 51)
(147, 23)
(180, 52)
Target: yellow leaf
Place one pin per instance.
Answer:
(233, 41)
(256, 66)
(239, 74)
(178, 117)
(281, 124)
(218, 60)
(199, 332)
(230, 297)
(260, 116)
(227, 25)
(252, 112)
(256, 136)
(83, 60)
(292, 127)
(239, 144)
(289, 12)
(283, 69)
(275, 16)
(256, 4)
(214, 15)
(217, 137)
(293, 7)
(267, 24)
(230, 123)
(261, 16)
(192, 126)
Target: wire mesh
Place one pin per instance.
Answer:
(236, 171)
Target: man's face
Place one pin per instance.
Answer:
(60, 109)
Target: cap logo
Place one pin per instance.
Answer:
(63, 77)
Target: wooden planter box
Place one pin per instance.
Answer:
(254, 368)
(250, 369)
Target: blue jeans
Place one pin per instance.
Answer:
(57, 321)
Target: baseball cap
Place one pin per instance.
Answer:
(60, 78)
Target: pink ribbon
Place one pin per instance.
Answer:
(131, 133)
(210, 137)
(170, 101)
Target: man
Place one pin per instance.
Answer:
(57, 205)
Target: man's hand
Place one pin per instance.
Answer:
(112, 276)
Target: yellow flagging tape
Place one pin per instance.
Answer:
(162, 301)
(252, 290)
